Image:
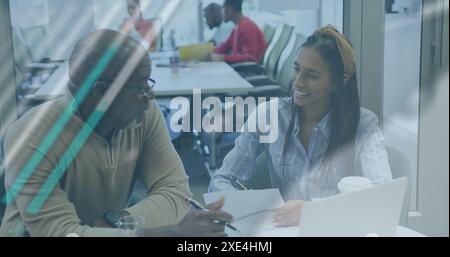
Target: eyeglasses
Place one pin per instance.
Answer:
(151, 83)
(142, 91)
(145, 91)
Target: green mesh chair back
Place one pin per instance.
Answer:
(269, 32)
(274, 56)
(285, 75)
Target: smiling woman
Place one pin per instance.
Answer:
(325, 135)
(324, 80)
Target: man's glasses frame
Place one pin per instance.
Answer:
(147, 90)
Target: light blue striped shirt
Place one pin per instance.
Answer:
(303, 176)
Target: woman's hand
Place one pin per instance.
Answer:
(289, 215)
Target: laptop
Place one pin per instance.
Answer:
(374, 211)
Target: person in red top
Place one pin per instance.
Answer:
(139, 28)
(246, 42)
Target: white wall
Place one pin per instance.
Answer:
(433, 200)
(27, 13)
(283, 5)
(68, 21)
(401, 89)
(331, 12)
(184, 23)
(65, 22)
(307, 22)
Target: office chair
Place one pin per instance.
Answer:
(268, 32)
(28, 64)
(274, 57)
(251, 68)
(271, 57)
(36, 38)
(265, 86)
(22, 59)
(31, 65)
(20, 51)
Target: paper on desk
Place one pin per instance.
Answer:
(251, 209)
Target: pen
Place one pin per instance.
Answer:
(239, 184)
(200, 206)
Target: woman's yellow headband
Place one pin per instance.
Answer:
(345, 49)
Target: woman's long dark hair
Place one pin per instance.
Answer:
(345, 105)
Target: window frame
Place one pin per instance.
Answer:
(8, 107)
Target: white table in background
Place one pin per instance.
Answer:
(210, 77)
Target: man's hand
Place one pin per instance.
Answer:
(196, 223)
(289, 215)
(202, 223)
(100, 223)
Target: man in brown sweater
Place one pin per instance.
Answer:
(71, 163)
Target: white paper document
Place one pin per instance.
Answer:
(252, 209)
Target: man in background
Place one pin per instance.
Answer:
(214, 20)
(246, 42)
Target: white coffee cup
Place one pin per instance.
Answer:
(353, 183)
